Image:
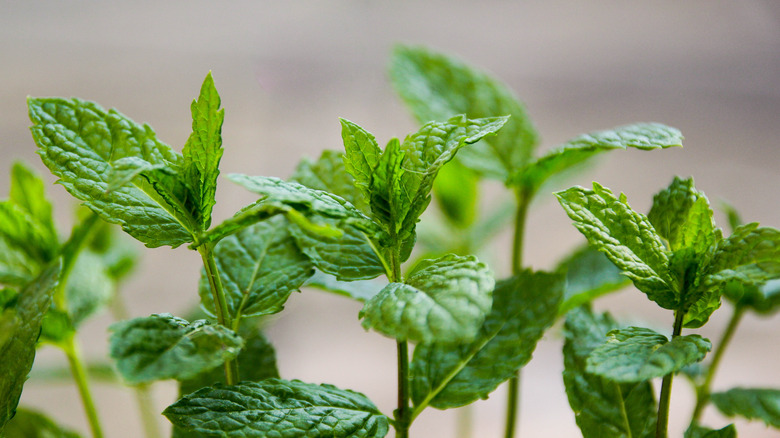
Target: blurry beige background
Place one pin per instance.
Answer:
(287, 71)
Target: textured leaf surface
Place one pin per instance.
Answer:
(436, 87)
(750, 255)
(21, 329)
(524, 306)
(81, 143)
(362, 155)
(260, 267)
(443, 300)
(643, 136)
(672, 210)
(203, 150)
(589, 275)
(750, 403)
(360, 290)
(602, 408)
(636, 354)
(625, 236)
(28, 193)
(166, 347)
(277, 407)
(32, 424)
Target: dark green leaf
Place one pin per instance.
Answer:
(203, 151)
(589, 275)
(33, 424)
(704, 432)
(260, 267)
(276, 407)
(166, 347)
(764, 300)
(21, 326)
(750, 403)
(436, 87)
(602, 408)
(524, 306)
(82, 144)
(636, 354)
(443, 300)
(360, 290)
(626, 237)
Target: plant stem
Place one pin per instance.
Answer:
(523, 196)
(666, 386)
(220, 304)
(72, 351)
(402, 420)
(703, 391)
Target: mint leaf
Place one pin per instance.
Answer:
(81, 143)
(751, 256)
(455, 191)
(750, 403)
(89, 287)
(389, 203)
(589, 275)
(443, 300)
(27, 192)
(436, 87)
(764, 300)
(697, 431)
(626, 237)
(362, 155)
(360, 290)
(278, 407)
(21, 326)
(636, 354)
(524, 306)
(602, 407)
(260, 267)
(17, 268)
(643, 136)
(32, 424)
(163, 346)
(682, 215)
(329, 173)
(203, 150)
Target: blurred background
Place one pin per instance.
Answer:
(287, 72)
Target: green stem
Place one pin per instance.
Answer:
(72, 351)
(662, 426)
(523, 196)
(402, 415)
(703, 391)
(220, 304)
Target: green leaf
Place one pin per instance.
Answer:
(436, 87)
(386, 197)
(443, 300)
(17, 268)
(81, 143)
(260, 267)
(21, 329)
(362, 155)
(602, 408)
(589, 275)
(89, 287)
(750, 403)
(33, 424)
(27, 191)
(524, 306)
(697, 431)
(166, 347)
(203, 150)
(360, 290)
(636, 354)
(682, 215)
(350, 256)
(626, 237)
(751, 255)
(278, 407)
(22, 233)
(764, 300)
(455, 191)
(645, 136)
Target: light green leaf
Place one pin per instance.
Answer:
(443, 300)
(25, 235)
(89, 287)
(17, 268)
(32, 424)
(645, 136)
(386, 197)
(636, 354)
(682, 215)
(447, 376)
(27, 191)
(602, 408)
(455, 191)
(751, 255)
(362, 155)
(80, 143)
(203, 150)
(589, 275)
(166, 347)
(21, 329)
(329, 173)
(436, 87)
(360, 290)
(697, 431)
(626, 237)
(260, 267)
(750, 403)
(278, 407)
